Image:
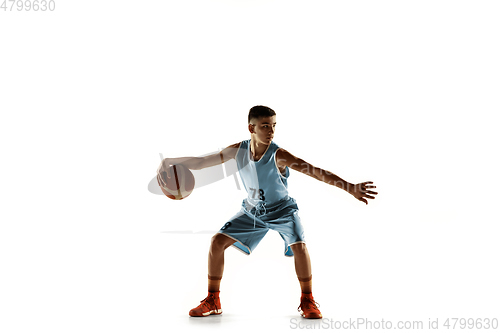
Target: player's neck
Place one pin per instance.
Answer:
(257, 148)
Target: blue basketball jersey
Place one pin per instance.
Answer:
(262, 179)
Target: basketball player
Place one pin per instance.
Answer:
(264, 170)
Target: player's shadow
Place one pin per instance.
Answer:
(189, 232)
(213, 320)
(235, 321)
(226, 319)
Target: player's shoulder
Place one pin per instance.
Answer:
(280, 151)
(284, 155)
(230, 151)
(235, 145)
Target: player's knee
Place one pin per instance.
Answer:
(219, 242)
(299, 248)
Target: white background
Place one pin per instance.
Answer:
(401, 93)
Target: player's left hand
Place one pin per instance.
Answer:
(362, 191)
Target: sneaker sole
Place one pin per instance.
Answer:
(206, 314)
(312, 316)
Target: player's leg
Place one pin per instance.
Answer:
(211, 304)
(218, 245)
(239, 231)
(287, 222)
(302, 266)
(308, 307)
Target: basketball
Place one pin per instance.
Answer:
(180, 184)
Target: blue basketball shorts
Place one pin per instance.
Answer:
(252, 223)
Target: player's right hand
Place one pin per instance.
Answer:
(162, 172)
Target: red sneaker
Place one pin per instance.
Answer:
(210, 305)
(308, 307)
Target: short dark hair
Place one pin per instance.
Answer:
(260, 111)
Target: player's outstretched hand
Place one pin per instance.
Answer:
(162, 172)
(362, 191)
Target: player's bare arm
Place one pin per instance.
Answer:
(196, 163)
(361, 191)
(218, 158)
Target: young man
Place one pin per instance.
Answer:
(263, 168)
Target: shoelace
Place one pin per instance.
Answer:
(209, 300)
(308, 303)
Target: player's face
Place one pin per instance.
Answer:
(265, 128)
